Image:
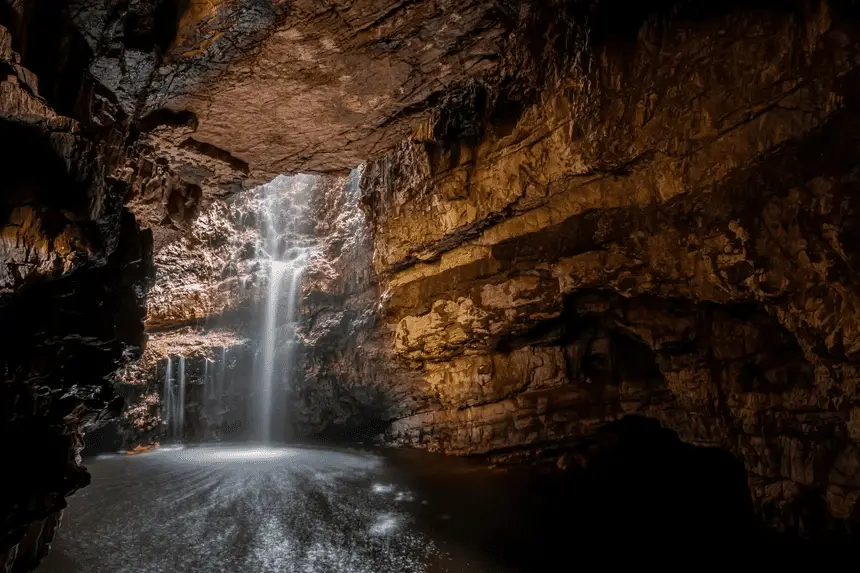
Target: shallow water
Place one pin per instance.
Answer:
(295, 509)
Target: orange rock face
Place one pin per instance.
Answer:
(667, 232)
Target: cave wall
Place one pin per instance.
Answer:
(346, 385)
(74, 272)
(665, 230)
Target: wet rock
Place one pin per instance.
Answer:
(215, 367)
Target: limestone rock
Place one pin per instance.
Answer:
(666, 232)
(74, 270)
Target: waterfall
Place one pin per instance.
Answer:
(214, 375)
(287, 245)
(209, 400)
(173, 401)
(265, 406)
(219, 392)
(207, 387)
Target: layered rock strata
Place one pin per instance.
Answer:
(667, 231)
(651, 215)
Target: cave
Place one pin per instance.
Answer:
(425, 286)
(640, 482)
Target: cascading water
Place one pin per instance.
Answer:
(173, 402)
(279, 239)
(214, 376)
(180, 401)
(287, 245)
(209, 398)
(167, 401)
(218, 415)
(267, 379)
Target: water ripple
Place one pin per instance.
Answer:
(260, 510)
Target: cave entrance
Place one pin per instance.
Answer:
(638, 480)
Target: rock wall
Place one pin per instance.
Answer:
(215, 366)
(666, 230)
(74, 270)
(347, 383)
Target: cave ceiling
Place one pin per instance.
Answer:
(281, 87)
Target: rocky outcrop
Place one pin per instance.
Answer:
(214, 367)
(171, 183)
(347, 381)
(280, 87)
(73, 276)
(324, 86)
(666, 231)
(210, 271)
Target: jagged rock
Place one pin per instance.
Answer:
(666, 232)
(215, 359)
(73, 278)
(659, 224)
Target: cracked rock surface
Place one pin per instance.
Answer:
(667, 232)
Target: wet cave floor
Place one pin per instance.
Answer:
(340, 510)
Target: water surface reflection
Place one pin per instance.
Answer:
(262, 509)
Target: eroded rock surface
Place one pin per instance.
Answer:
(286, 86)
(668, 231)
(74, 270)
(651, 215)
(215, 366)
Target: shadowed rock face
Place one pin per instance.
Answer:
(73, 275)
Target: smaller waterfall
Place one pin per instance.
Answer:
(173, 401)
(214, 399)
(180, 402)
(209, 400)
(220, 389)
(167, 407)
(207, 387)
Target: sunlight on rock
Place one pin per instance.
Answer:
(266, 265)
